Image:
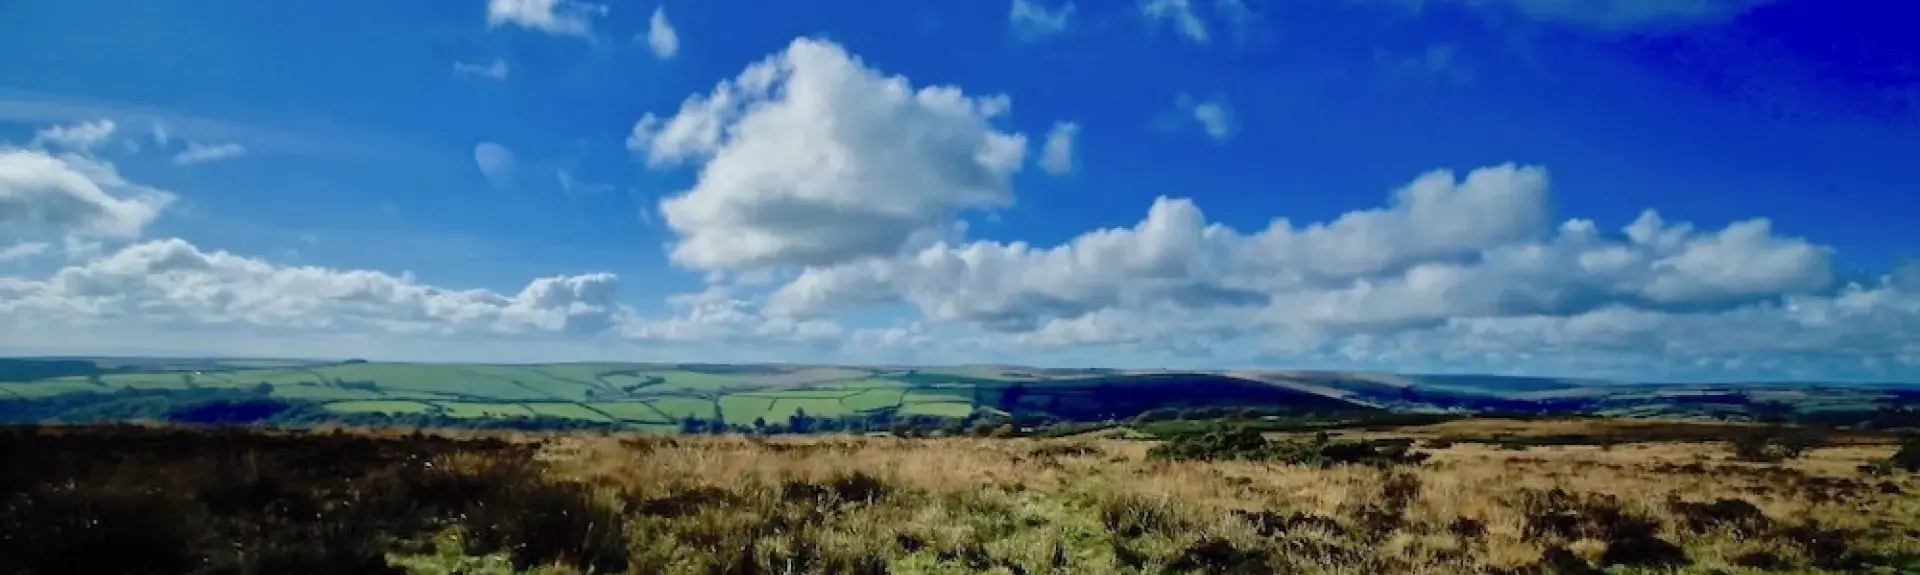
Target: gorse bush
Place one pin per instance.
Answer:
(1774, 443)
(1907, 457)
(1241, 443)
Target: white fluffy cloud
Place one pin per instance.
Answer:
(661, 37)
(45, 195)
(1032, 19)
(561, 17)
(198, 153)
(810, 157)
(172, 282)
(1057, 156)
(154, 287)
(1178, 14)
(718, 315)
(82, 137)
(1477, 258)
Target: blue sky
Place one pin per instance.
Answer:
(854, 181)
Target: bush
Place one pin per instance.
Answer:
(1774, 444)
(1631, 538)
(1246, 444)
(1907, 458)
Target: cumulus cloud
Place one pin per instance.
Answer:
(661, 37)
(717, 315)
(1177, 14)
(495, 161)
(198, 153)
(171, 282)
(810, 157)
(1031, 19)
(559, 17)
(82, 137)
(495, 70)
(1475, 257)
(41, 194)
(1057, 156)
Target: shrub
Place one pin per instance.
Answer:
(1246, 444)
(1773, 444)
(1738, 515)
(1907, 458)
(1631, 538)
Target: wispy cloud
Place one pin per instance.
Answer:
(1437, 61)
(495, 70)
(496, 162)
(198, 153)
(83, 136)
(1031, 19)
(23, 250)
(1179, 14)
(1057, 156)
(282, 136)
(571, 185)
(661, 37)
(1214, 115)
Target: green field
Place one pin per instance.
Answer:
(658, 395)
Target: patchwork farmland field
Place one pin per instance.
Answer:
(664, 396)
(710, 397)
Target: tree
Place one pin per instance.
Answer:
(799, 422)
(760, 425)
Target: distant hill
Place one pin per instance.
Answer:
(698, 396)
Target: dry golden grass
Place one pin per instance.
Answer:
(559, 503)
(939, 488)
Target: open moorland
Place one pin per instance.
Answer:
(137, 499)
(140, 465)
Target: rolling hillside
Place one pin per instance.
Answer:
(668, 397)
(663, 396)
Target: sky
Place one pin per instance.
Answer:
(1635, 189)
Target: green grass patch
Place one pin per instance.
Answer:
(743, 408)
(48, 388)
(381, 406)
(955, 410)
(478, 409)
(635, 411)
(324, 393)
(867, 383)
(567, 410)
(937, 396)
(872, 399)
(819, 407)
(687, 380)
(681, 407)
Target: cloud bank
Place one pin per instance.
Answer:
(826, 191)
